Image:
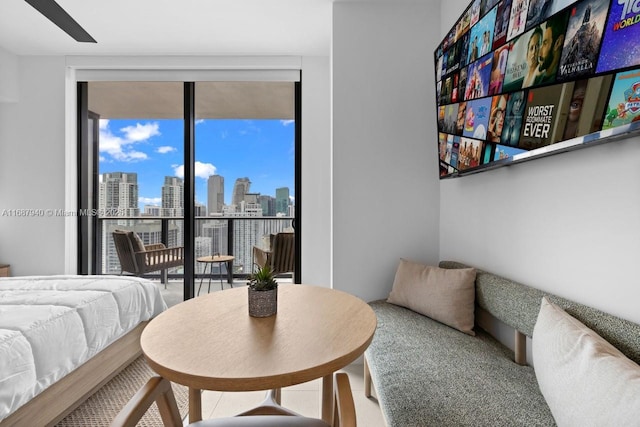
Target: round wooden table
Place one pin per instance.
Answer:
(216, 259)
(212, 343)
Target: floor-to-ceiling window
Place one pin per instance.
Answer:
(244, 167)
(139, 166)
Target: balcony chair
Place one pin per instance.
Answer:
(268, 414)
(138, 259)
(281, 257)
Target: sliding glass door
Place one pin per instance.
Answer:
(210, 166)
(244, 168)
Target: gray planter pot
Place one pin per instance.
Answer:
(263, 303)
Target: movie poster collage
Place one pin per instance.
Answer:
(516, 75)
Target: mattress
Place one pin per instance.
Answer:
(50, 325)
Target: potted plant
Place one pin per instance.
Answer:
(263, 293)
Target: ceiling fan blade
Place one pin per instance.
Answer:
(62, 19)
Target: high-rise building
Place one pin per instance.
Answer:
(251, 198)
(199, 210)
(268, 204)
(246, 234)
(202, 247)
(282, 200)
(215, 194)
(118, 191)
(173, 196)
(240, 188)
(217, 233)
(152, 210)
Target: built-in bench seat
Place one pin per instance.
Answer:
(428, 374)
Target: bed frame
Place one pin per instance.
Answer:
(60, 399)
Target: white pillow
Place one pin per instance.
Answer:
(585, 380)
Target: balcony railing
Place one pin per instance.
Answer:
(213, 235)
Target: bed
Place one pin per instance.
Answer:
(63, 337)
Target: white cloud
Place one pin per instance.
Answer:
(202, 170)
(287, 122)
(205, 170)
(140, 132)
(150, 200)
(136, 155)
(199, 121)
(120, 147)
(165, 149)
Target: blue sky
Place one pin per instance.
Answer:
(262, 150)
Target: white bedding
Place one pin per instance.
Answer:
(50, 325)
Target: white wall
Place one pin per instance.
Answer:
(316, 172)
(567, 224)
(8, 76)
(32, 168)
(385, 186)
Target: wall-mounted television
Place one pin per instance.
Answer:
(521, 79)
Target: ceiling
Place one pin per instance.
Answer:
(173, 27)
(219, 100)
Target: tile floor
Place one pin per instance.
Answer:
(301, 398)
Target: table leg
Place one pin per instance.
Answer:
(195, 405)
(327, 399)
(202, 278)
(220, 275)
(210, 277)
(230, 273)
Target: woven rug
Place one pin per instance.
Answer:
(104, 405)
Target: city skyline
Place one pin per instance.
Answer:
(123, 185)
(118, 193)
(262, 150)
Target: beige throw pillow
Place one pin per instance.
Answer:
(445, 295)
(585, 380)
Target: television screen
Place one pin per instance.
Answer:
(583, 37)
(502, 23)
(620, 47)
(478, 78)
(516, 76)
(624, 103)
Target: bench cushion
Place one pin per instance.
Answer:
(428, 374)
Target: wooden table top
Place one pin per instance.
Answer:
(216, 258)
(212, 343)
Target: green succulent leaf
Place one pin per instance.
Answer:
(263, 280)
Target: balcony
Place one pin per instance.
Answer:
(213, 235)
